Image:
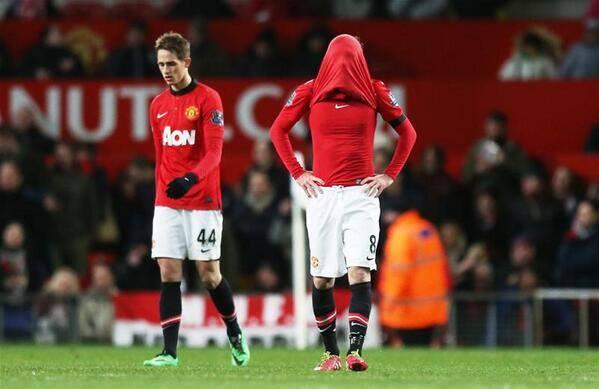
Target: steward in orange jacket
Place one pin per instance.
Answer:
(414, 278)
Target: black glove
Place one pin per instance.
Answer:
(181, 185)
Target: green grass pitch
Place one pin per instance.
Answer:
(88, 367)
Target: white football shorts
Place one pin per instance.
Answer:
(183, 233)
(343, 230)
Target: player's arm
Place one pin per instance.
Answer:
(407, 139)
(156, 136)
(213, 129)
(213, 123)
(297, 106)
(393, 114)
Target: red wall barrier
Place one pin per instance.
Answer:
(399, 48)
(267, 317)
(550, 119)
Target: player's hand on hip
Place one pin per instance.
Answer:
(310, 184)
(179, 186)
(375, 185)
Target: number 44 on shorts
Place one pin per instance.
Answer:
(211, 237)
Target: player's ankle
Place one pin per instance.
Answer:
(170, 352)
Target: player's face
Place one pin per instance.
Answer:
(173, 69)
(586, 216)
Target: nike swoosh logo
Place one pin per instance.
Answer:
(237, 361)
(369, 259)
(161, 115)
(337, 106)
(205, 251)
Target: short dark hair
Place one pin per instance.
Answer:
(533, 39)
(498, 117)
(175, 43)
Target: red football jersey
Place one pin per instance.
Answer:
(188, 127)
(342, 134)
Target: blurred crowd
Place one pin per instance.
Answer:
(511, 223)
(267, 10)
(538, 53)
(55, 57)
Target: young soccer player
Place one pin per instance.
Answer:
(343, 207)
(187, 125)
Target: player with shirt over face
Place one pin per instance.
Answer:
(343, 210)
(187, 126)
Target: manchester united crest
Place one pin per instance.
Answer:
(314, 262)
(192, 112)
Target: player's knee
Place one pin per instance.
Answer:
(210, 279)
(170, 270)
(323, 283)
(358, 275)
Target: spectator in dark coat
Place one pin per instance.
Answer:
(442, 194)
(29, 133)
(592, 143)
(5, 61)
(14, 277)
(539, 213)
(264, 58)
(21, 205)
(255, 219)
(565, 188)
(137, 270)
(578, 258)
(136, 59)
(490, 225)
(505, 152)
(264, 159)
(134, 204)
(311, 49)
(51, 58)
(209, 59)
(74, 210)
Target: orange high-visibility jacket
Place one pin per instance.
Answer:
(414, 277)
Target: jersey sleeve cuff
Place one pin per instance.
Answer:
(296, 174)
(391, 174)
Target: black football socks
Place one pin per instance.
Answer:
(325, 312)
(359, 312)
(222, 297)
(170, 315)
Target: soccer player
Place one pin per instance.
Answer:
(187, 126)
(343, 207)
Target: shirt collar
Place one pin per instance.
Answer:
(192, 85)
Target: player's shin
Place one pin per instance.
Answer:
(170, 315)
(359, 312)
(325, 312)
(222, 297)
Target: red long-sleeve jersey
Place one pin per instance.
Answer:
(342, 135)
(188, 127)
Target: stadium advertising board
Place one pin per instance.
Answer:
(265, 318)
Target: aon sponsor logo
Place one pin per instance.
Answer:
(178, 137)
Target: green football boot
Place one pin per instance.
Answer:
(162, 359)
(240, 352)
